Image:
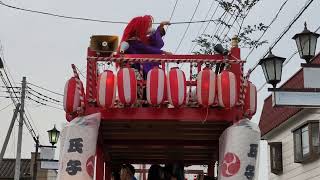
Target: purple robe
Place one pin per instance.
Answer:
(137, 47)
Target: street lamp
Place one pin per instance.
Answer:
(53, 139)
(306, 42)
(53, 135)
(272, 68)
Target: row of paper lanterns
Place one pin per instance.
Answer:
(211, 89)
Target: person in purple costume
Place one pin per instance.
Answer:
(141, 40)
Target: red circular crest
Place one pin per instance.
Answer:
(230, 165)
(90, 166)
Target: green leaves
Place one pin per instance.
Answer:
(239, 10)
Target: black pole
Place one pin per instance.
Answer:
(35, 164)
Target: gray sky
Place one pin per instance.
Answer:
(42, 47)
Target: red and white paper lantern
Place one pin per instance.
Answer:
(227, 89)
(176, 85)
(250, 101)
(127, 86)
(106, 91)
(156, 84)
(71, 100)
(206, 87)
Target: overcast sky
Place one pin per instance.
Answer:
(42, 47)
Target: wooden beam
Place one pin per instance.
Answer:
(163, 142)
(168, 114)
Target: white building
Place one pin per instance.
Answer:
(293, 137)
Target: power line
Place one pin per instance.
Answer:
(226, 24)
(185, 32)
(10, 86)
(44, 104)
(272, 21)
(8, 89)
(42, 95)
(42, 99)
(173, 10)
(229, 28)
(13, 93)
(45, 89)
(31, 125)
(221, 19)
(211, 18)
(193, 46)
(284, 32)
(6, 107)
(82, 18)
(217, 28)
(235, 19)
(8, 97)
(11, 90)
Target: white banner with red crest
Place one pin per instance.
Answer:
(238, 151)
(77, 156)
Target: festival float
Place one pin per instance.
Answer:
(171, 117)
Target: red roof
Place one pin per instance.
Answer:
(272, 117)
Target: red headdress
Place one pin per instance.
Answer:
(138, 27)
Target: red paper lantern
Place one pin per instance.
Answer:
(127, 86)
(206, 87)
(227, 89)
(250, 101)
(71, 100)
(106, 90)
(156, 86)
(176, 85)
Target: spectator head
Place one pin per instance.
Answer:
(115, 175)
(155, 172)
(127, 172)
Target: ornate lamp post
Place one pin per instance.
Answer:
(306, 43)
(272, 68)
(53, 135)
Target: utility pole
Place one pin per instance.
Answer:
(5, 144)
(18, 158)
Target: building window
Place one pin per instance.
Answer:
(276, 157)
(306, 141)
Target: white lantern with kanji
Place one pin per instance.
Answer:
(106, 90)
(177, 89)
(78, 148)
(238, 151)
(71, 99)
(156, 86)
(127, 86)
(227, 89)
(206, 87)
(250, 100)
